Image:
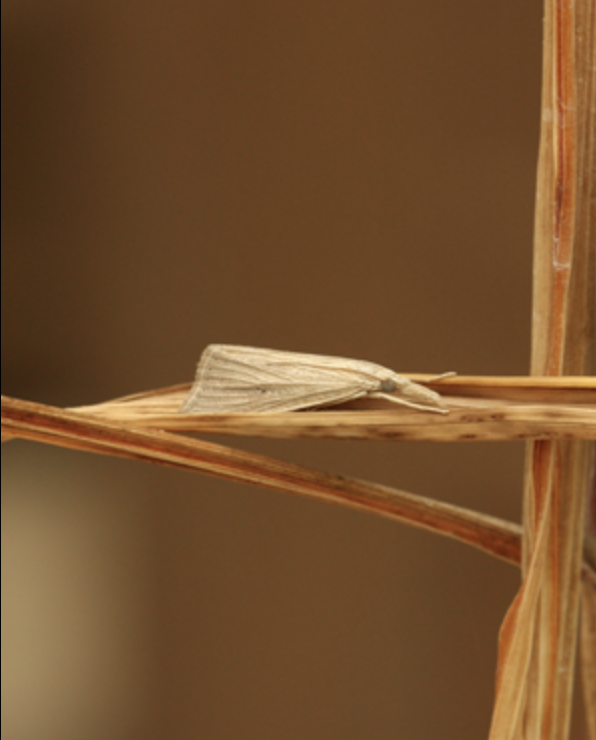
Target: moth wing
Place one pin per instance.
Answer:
(233, 379)
(273, 398)
(298, 366)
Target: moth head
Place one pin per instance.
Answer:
(388, 386)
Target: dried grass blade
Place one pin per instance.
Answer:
(588, 611)
(565, 390)
(469, 420)
(586, 337)
(56, 426)
(588, 639)
(516, 641)
(571, 390)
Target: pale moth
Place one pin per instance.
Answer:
(233, 379)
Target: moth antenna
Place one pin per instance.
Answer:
(435, 378)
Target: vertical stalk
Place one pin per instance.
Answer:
(588, 627)
(538, 638)
(586, 228)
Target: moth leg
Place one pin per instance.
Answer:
(410, 404)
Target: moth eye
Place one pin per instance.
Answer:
(387, 386)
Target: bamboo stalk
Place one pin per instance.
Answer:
(538, 637)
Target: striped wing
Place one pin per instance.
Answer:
(233, 379)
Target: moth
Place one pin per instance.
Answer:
(234, 379)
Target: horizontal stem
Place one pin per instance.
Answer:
(68, 429)
(469, 419)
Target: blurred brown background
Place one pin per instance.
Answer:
(350, 178)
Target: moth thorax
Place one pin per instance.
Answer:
(387, 386)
